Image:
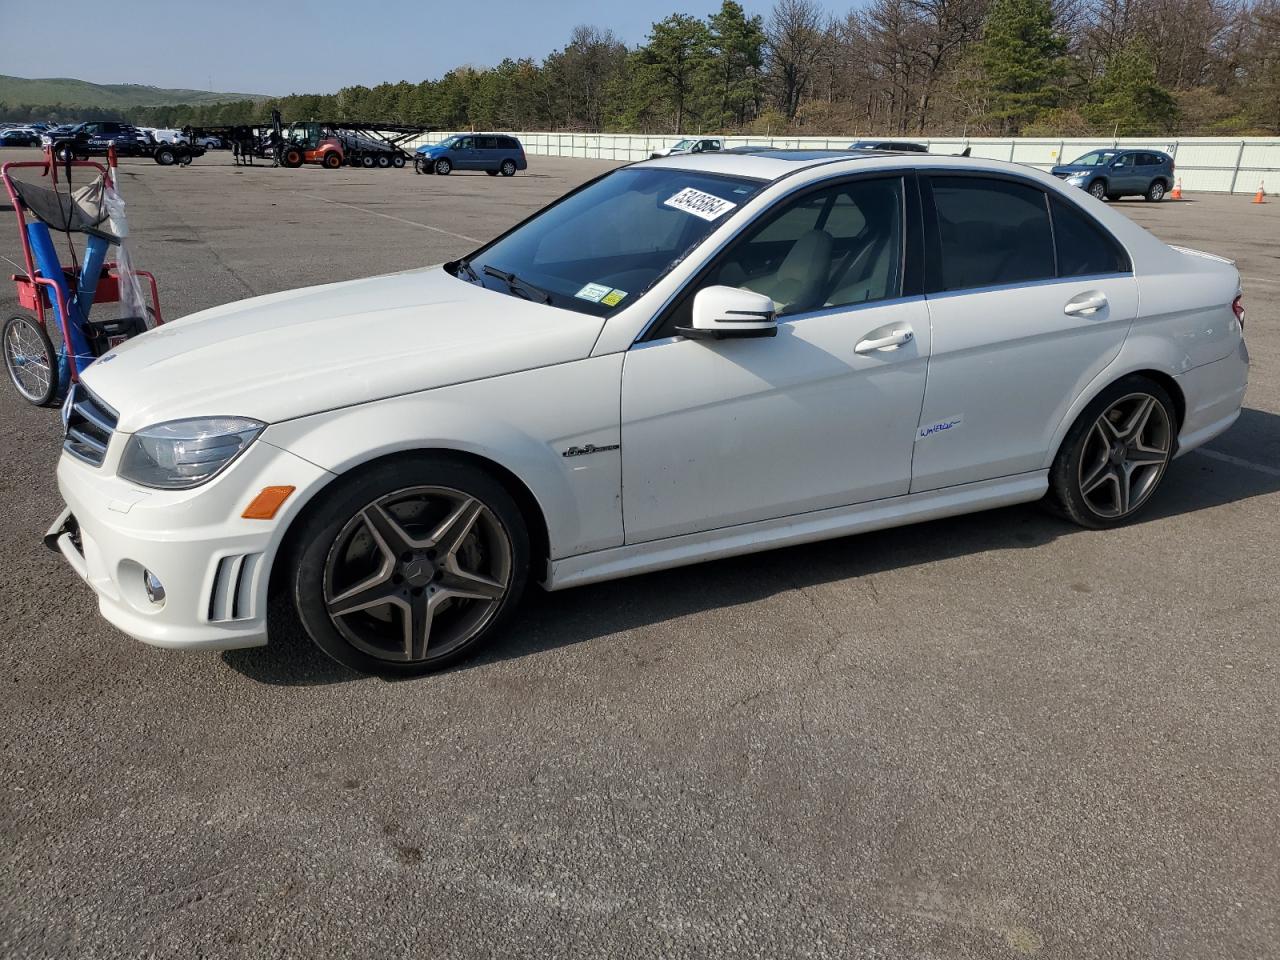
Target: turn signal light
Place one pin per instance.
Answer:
(267, 502)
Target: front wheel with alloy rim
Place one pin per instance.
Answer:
(1115, 454)
(410, 565)
(1099, 189)
(30, 360)
(443, 167)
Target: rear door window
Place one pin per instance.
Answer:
(488, 143)
(991, 232)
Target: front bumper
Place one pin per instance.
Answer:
(213, 564)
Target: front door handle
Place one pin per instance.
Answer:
(1086, 304)
(895, 339)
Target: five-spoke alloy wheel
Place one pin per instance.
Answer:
(1115, 455)
(411, 566)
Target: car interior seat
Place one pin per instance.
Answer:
(801, 278)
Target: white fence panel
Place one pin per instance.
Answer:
(1208, 164)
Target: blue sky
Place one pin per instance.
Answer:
(286, 46)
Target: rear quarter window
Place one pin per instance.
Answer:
(1084, 248)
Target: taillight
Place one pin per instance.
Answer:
(1237, 307)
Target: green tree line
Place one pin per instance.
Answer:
(922, 67)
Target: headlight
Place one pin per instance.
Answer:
(185, 453)
(1075, 181)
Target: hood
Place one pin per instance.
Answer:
(430, 150)
(1077, 168)
(291, 354)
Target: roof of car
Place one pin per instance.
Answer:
(774, 164)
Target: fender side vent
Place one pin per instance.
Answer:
(232, 595)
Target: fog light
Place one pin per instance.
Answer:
(155, 589)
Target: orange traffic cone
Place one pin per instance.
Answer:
(1177, 190)
(1261, 195)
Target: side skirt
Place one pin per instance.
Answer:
(789, 531)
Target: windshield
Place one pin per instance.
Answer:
(600, 248)
(683, 145)
(1095, 159)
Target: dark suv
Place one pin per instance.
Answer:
(1111, 174)
(898, 146)
(92, 139)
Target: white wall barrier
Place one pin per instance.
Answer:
(1207, 164)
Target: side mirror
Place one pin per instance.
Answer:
(723, 312)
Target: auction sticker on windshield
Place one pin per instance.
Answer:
(593, 292)
(705, 205)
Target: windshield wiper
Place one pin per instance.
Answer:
(515, 284)
(464, 266)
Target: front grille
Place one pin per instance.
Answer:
(88, 426)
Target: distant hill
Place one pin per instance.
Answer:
(113, 96)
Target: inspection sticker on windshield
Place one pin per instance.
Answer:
(613, 298)
(593, 291)
(705, 205)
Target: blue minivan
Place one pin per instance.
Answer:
(494, 153)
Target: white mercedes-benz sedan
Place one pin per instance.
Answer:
(683, 359)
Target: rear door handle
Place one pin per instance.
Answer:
(895, 339)
(1086, 304)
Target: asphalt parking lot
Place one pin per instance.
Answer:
(993, 736)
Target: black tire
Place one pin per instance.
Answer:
(292, 158)
(166, 156)
(1155, 192)
(1099, 190)
(442, 167)
(492, 173)
(1071, 472)
(324, 534)
(331, 161)
(397, 161)
(508, 168)
(27, 347)
(384, 161)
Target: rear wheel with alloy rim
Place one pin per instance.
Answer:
(411, 565)
(1155, 192)
(1115, 455)
(30, 360)
(508, 168)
